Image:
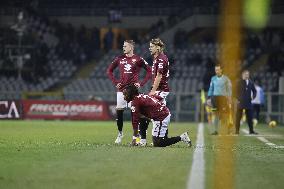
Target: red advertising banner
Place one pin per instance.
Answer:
(60, 109)
(10, 109)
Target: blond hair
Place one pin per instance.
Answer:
(130, 42)
(158, 42)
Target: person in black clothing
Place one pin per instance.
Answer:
(247, 93)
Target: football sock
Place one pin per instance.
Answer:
(216, 123)
(119, 120)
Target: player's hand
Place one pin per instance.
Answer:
(137, 85)
(151, 93)
(118, 85)
(209, 102)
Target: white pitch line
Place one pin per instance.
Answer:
(264, 140)
(196, 176)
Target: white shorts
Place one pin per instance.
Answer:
(163, 95)
(120, 102)
(160, 127)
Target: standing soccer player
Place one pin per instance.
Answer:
(129, 66)
(153, 108)
(160, 75)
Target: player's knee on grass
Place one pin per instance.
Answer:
(156, 142)
(159, 142)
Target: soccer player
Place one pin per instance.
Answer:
(160, 75)
(219, 97)
(129, 66)
(160, 69)
(153, 108)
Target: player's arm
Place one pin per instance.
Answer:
(253, 91)
(110, 69)
(145, 65)
(262, 99)
(156, 84)
(210, 92)
(229, 90)
(158, 78)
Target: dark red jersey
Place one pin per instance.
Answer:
(149, 106)
(129, 68)
(161, 65)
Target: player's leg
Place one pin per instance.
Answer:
(120, 105)
(256, 110)
(143, 126)
(239, 113)
(215, 112)
(160, 134)
(249, 121)
(144, 122)
(165, 141)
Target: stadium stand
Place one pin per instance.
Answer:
(63, 49)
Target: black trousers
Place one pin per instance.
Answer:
(165, 141)
(256, 110)
(249, 114)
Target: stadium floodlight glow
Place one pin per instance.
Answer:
(256, 13)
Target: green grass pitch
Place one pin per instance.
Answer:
(77, 154)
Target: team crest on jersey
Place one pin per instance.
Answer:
(127, 68)
(132, 109)
(133, 60)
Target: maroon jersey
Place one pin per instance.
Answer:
(161, 65)
(149, 106)
(129, 68)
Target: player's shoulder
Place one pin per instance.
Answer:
(119, 57)
(136, 58)
(138, 98)
(226, 77)
(213, 77)
(162, 57)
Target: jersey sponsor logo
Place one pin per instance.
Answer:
(133, 60)
(123, 62)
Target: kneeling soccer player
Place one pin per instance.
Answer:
(152, 108)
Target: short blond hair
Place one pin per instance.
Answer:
(158, 42)
(130, 42)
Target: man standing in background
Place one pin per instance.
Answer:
(257, 102)
(219, 97)
(247, 93)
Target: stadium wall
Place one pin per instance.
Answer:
(206, 21)
(98, 21)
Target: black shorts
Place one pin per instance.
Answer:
(220, 104)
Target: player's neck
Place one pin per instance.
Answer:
(129, 54)
(156, 55)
